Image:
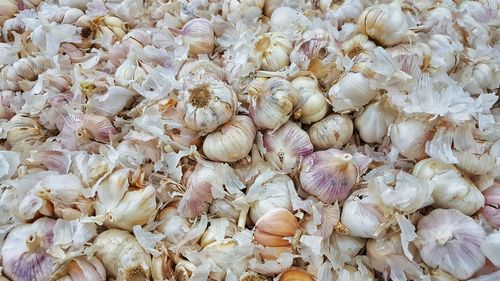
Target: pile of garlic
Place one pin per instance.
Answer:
(246, 140)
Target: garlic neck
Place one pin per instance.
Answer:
(33, 242)
(444, 237)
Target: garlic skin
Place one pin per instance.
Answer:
(174, 226)
(340, 12)
(379, 250)
(109, 26)
(312, 105)
(286, 146)
(201, 69)
(273, 50)
(352, 91)
(272, 102)
(472, 163)
(82, 268)
(409, 136)
(445, 52)
(8, 8)
(385, 24)
(240, 6)
(122, 256)
(274, 226)
(491, 209)
(484, 77)
(206, 106)
(325, 71)
(293, 274)
(24, 255)
(332, 131)
(23, 129)
(232, 141)
(313, 47)
(449, 233)
(359, 46)
(329, 175)
(199, 35)
(374, 122)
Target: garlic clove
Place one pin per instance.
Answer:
(352, 91)
(274, 226)
(491, 209)
(374, 122)
(332, 131)
(312, 103)
(273, 49)
(409, 136)
(295, 275)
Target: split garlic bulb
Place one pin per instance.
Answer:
(24, 251)
(122, 256)
(199, 35)
(352, 91)
(232, 141)
(206, 106)
(286, 146)
(272, 102)
(374, 122)
(332, 131)
(312, 103)
(409, 136)
(273, 49)
(329, 175)
(385, 24)
(449, 233)
(274, 226)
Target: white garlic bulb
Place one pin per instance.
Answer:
(374, 122)
(199, 35)
(273, 50)
(272, 102)
(445, 52)
(122, 256)
(409, 135)
(352, 91)
(359, 46)
(232, 141)
(312, 105)
(484, 77)
(110, 27)
(385, 24)
(23, 129)
(449, 233)
(340, 12)
(206, 106)
(331, 132)
(286, 146)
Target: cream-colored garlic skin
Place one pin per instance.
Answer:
(352, 91)
(359, 46)
(201, 69)
(409, 136)
(23, 129)
(374, 122)
(273, 50)
(312, 103)
(295, 275)
(232, 141)
(449, 233)
(332, 131)
(122, 256)
(24, 251)
(206, 106)
(8, 8)
(199, 35)
(174, 226)
(385, 24)
(491, 209)
(110, 26)
(340, 12)
(240, 6)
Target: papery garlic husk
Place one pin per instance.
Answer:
(294, 274)
(173, 226)
(123, 204)
(340, 12)
(214, 236)
(329, 175)
(445, 52)
(270, 6)
(24, 251)
(491, 209)
(314, 46)
(450, 189)
(359, 46)
(132, 70)
(484, 77)
(363, 215)
(77, 130)
(273, 50)
(206, 106)
(272, 228)
(201, 69)
(352, 273)
(491, 248)
(409, 135)
(449, 233)
(162, 266)
(240, 6)
(312, 105)
(22, 74)
(269, 191)
(385, 24)
(331, 132)
(378, 250)
(287, 146)
(411, 58)
(477, 164)
(199, 35)
(8, 8)
(232, 141)
(272, 102)
(374, 122)
(122, 256)
(225, 209)
(80, 4)
(23, 129)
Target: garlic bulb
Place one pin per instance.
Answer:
(329, 175)
(24, 251)
(273, 50)
(23, 129)
(449, 233)
(110, 27)
(206, 106)
(80, 4)
(491, 246)
(232, 141)
(272, 102)
(325, 71)
(353, 90)
(491, 209)
(274, 226)
(313, 47)
(379, 250)
(331, 132)
(240, 6)
(374, 122)
(409, 136)
(359, 46)
(199, 35)
(286, 146)
(295, 275)
(484, 77)
(201, 69)
(8, 8)
(312, 104)
(340, 12)
(122, 256)
(385, 24)
(445, 52)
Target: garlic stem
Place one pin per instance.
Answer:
(33, 242)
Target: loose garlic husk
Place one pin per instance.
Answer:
(273, 50)
(8, 8)
(385, 24)
(80, 130)
(122, 256)
(374, 122)
(450, 188)
(22, 74)
(325, 71)
(409, 135)
(332, 131)
(131, 70)
(378, 250)
(24, 251)
(272, 228)
(312, 105)
(272, 102)
(287, 146)
(199, 35)
(484, 77)
(449, 233)
(232, 141)
(173, 226)
(80, 4)
(293, 274)
(225, 209)
(213, 236)
(206, 106)
(329, 175)
(314, 46)
(491, 247)
(491, 209)
(240, 6)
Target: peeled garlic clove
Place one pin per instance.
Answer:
(353, 90)
(329, 175)
(295, 275)
(449, 233)
(409, 136)
(491, 209)
(199, 35)
(273, 50)
(24, 251)
(286, 146)
(312, 104)
(274, 226)
(232, 141)
(206, 106)
(374, 122)
(122, 256)
(332, 131)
